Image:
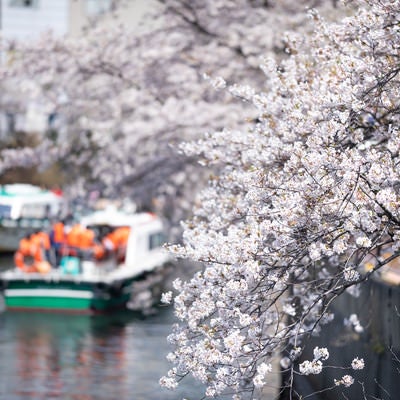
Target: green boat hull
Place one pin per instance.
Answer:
(81, 297)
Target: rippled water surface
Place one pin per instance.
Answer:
(77, 357)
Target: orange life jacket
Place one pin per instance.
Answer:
(118, 237)
(73, 236)
(122, 235)
(59, 232)
(86, 238)
(42, 239)
(98, 251)
(39, 243)
(25, 247)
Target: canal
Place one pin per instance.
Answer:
(79, 357)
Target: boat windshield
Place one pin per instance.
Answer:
(5, 211)
(156, 240)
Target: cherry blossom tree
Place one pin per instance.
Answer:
(305, 207)
(122, 97)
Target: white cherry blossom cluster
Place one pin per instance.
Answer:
(124, 97)
(350, 274)
(357, 363)
(354, 323)
(346, 380)
(303, 199)
(166, 297)
(310, 367)
(315, 366)
(263, 370)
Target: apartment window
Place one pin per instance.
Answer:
(97, 7)
(24, 3)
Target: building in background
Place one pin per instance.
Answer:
(22, 19)
(27, 19)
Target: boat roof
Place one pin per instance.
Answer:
(26, 193)
(112, 216)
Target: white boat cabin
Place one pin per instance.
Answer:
(23, 204)
(144, 250)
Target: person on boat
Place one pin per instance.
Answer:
(58, 240)
(40, 242)
(22, 253)
(73, 240)
(25, 244)
(82, 242)
(90, 244)
(115, 242)
(23, 258)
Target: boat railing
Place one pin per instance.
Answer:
(34, 223)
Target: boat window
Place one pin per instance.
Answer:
(157, 239)
(34, 211)
(24, 3)
(5, 211)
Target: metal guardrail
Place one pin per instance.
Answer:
(378, 309)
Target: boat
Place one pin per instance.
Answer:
(80, 284)
(25, 208)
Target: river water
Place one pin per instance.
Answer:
(79, 357)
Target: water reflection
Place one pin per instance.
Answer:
(79, 357)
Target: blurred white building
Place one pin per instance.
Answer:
(22, 19)
(27, 19)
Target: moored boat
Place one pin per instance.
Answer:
(80, 283)
(24, 208)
